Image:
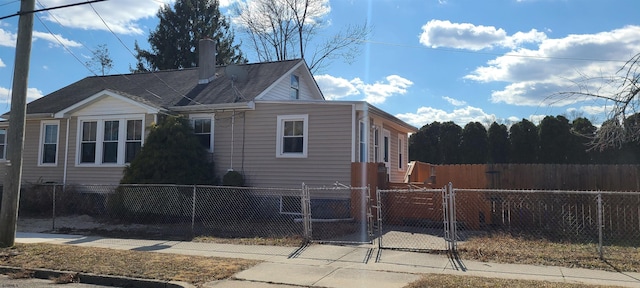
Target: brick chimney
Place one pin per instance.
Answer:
(206, 61)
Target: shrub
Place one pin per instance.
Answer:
(233, 178)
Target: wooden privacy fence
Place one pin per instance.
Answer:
(529, 176)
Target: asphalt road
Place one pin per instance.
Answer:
(5, 282)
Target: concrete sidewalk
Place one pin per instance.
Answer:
(340, 266)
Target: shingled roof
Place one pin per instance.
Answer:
(169, 88)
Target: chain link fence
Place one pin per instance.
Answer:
(338, 213)
(410, 219)
(605, 218)
(161, 211)
(436, 219)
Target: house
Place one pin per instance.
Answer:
(268, 121)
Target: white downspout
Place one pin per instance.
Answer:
(354, 133)
(233, 121)
(66, 155)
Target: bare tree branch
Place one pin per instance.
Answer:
(622, 91)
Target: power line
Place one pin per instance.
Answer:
(50, 8)
(130, 52)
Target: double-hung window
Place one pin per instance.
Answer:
(295, 87)
(49, 133)
(292, 136)
(363, 142)
(88, 141)
(400, 153)
(134, 140)
(3, 143)
(113, 141)
(110, 141)
(376, 145)
(202, 125)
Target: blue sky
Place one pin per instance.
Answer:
(425, 60)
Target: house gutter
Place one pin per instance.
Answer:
(208, 107)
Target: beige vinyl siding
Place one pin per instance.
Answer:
(396, 175)
(307, 86)
(31, 172)
(329, 146)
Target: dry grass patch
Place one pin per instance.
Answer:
(291, 241)
(446, 281)
(147, 265)
(504, 248)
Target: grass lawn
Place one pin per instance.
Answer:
(502, 248)
(448, 281)
(146, 265)
(200, 269)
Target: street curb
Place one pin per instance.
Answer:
(95, 279)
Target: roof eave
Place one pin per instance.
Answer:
(214, 107)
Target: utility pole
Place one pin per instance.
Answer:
(15, 133)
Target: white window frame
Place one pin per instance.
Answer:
(376, 144)
(362, 142)
(402, 163)
(281, 119)
(211, 117)
(3, 155)
(386, 149)
(43, 124)
(294, 89)
(282, 206)
(122, 138)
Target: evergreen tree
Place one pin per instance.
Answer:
(498, 137)
(171, 154)
(555, 140)
(474, 144)
(449, 144)
(582, 131)
(523, 140)
(174, 42)
(423, 145)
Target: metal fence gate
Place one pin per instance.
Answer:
(338, 214)
(412, 218)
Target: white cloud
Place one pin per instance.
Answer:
(2, 64)
(454, 102)
(5, 95)
(254, 11)
(462, 116)
(439, 33)
(55, 39)
(120, 15)
(227, 3)
(7, 38)
(536, 119)
(336, 88)
(535, 76)
(593, 110)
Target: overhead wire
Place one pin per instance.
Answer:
(130, 52)
(84, 64)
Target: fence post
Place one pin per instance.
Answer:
(452, 218)
(53, 215)
(306, 217)
(193, 210)
(600, 226)
(379, 213)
